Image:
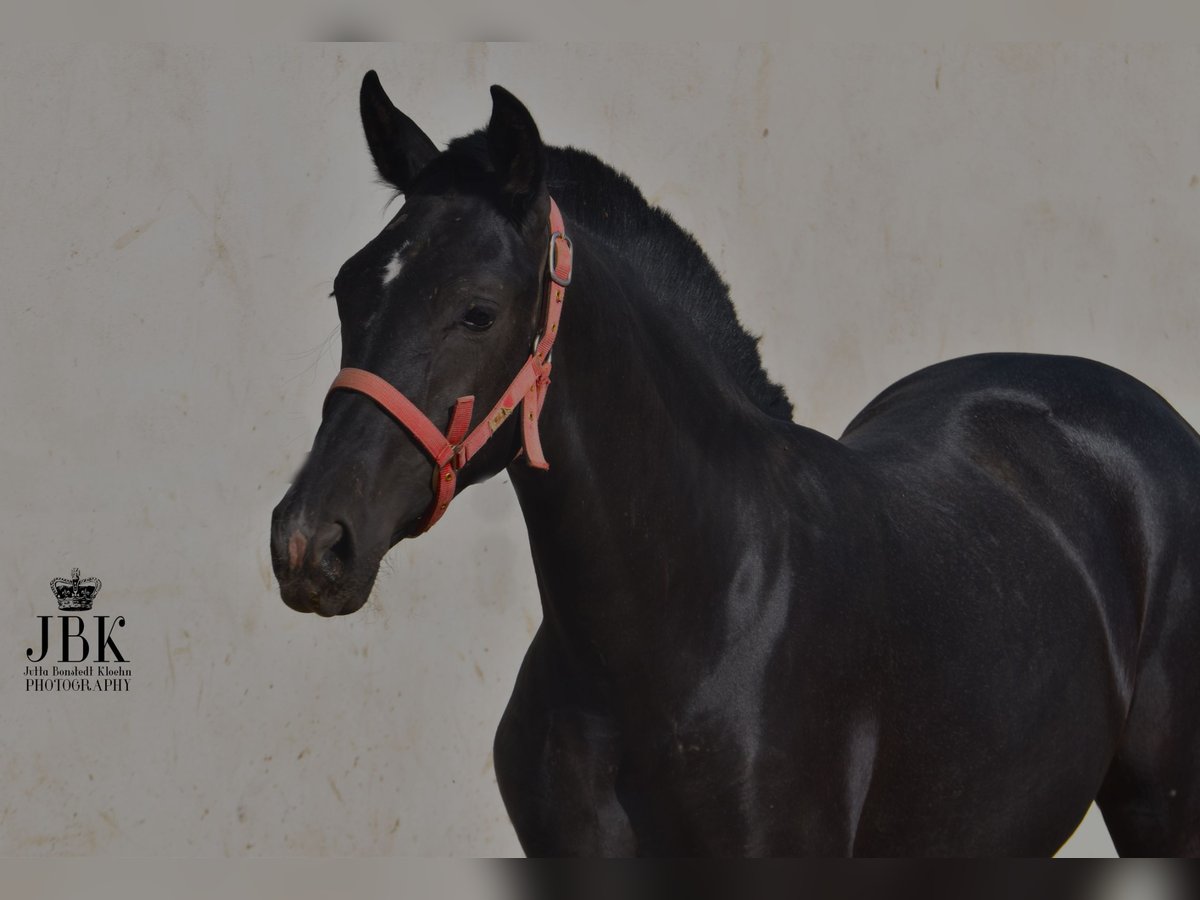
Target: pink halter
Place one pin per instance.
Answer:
(454, 449)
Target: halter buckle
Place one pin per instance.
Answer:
(554, 237)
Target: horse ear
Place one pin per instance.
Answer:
(400, 149)
(518, 155)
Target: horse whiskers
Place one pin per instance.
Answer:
(317, 352)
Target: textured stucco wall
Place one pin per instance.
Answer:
(171, 220)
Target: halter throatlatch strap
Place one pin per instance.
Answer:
(454, 449)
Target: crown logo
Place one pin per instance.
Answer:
(75, 593)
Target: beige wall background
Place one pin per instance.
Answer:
(170, 223)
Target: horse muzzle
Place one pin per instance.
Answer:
(316, 562)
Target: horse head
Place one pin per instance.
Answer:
(442, 306)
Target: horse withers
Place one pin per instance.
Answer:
(946, 632)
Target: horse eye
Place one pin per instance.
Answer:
(479, 319)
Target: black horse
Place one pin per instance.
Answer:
(945, 633)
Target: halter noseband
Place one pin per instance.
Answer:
(454, 449)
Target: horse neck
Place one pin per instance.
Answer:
(648, 437)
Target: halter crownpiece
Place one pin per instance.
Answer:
(454, 449)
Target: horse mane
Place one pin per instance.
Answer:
(677, 271)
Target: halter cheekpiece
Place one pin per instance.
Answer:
(454, 449)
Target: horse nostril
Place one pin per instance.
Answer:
(296, 547)
(330, 549)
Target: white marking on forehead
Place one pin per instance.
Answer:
(392, 270)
